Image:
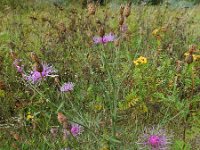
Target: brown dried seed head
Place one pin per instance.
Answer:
(117, 42)
(121, 20)
(2, 85)
(62, 118)
(38, 67)
(54, 131)
(91, 8)
(192, 49)
(189, 59)
(101, 31)
(127, 10)
(121, 10)
(15, 136)
(56, 80)
(61, 27)
(179, 66)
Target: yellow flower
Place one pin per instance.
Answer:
(140, 60)
(195, 57)
(136, 62)
(155, 32)
(29, 116)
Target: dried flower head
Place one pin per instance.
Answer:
(54, 131)
(101, 31)
(91, 8)
(189, 58)
(179, 66)
(121, 10)
(38, 67)
(61, 118)
(127, 10)
(121, 20)
(124, 28)
(154, 139)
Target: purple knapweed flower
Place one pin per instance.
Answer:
(76, 129)
(105, 39)
(66, 87)
(18, 66)
(36, 76)
(154, 139)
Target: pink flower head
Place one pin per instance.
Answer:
(18, 66)
(67, 87)
(76, 129)
(36, 76)
(105, 39)
(154, 139)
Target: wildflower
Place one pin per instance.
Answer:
(18, 66)
(76, 129)
(105, 39)
(37, 76)
(195, 57)
(140, 60)
(136, 62)
(66, 87)
(154, 139)
(29, 117)
(156, 32)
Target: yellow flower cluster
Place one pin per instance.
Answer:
(29, 116)
(140, 60)
(195, 57)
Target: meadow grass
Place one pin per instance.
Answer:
(121, 88)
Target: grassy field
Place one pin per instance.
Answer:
(102, 78)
